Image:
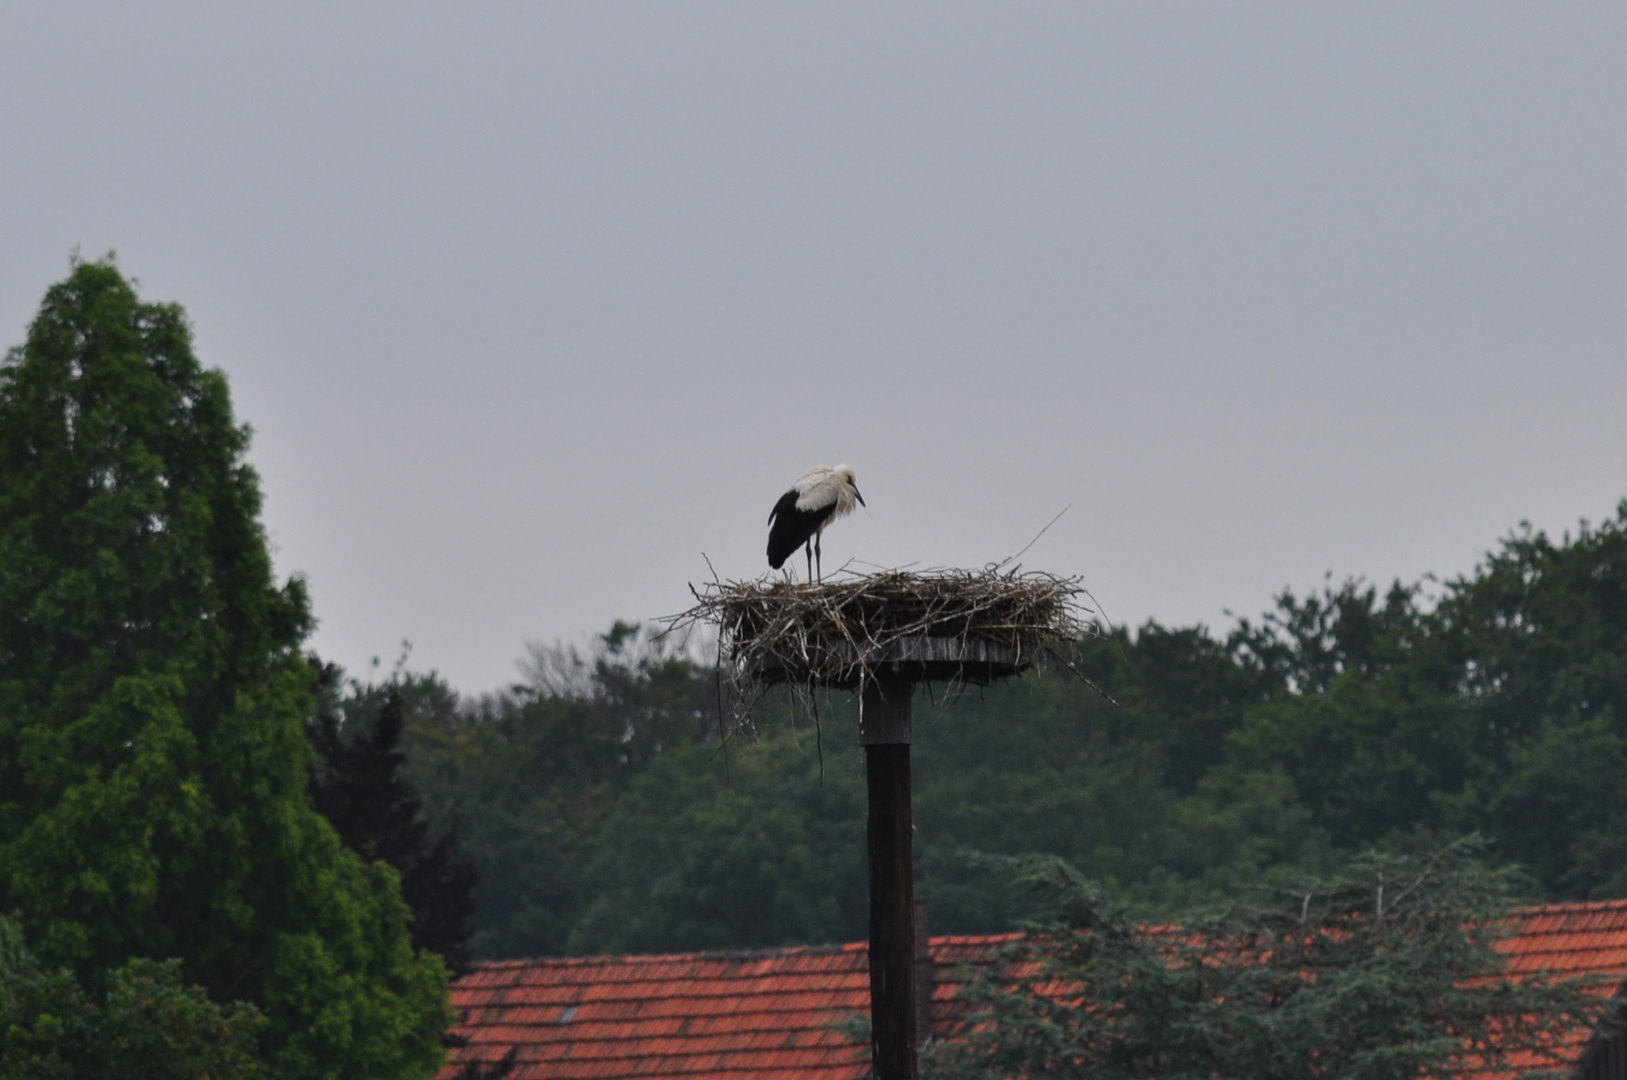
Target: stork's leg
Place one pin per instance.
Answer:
(807, 549)
(819, 559)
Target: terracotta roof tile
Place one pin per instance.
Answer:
(770, 1015)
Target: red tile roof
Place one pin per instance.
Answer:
(773, 1014)
(1571, 939)
(756, 1015)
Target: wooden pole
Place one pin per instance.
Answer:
(884, 729)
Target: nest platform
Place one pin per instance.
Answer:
(956, 626)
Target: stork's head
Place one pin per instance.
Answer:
(850, 490)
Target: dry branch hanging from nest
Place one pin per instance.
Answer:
(965, 626)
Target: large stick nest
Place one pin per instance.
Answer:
(957, 626)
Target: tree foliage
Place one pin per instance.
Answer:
(699, 855)
(534, 774)
(153, 763)
(1497, 708)
(144, 1024)
(357, 786)
(1385, 971)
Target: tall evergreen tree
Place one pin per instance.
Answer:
(357, 787)
(153, 763)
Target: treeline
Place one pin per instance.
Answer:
(605, 815)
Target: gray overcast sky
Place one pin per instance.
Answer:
(532, 305)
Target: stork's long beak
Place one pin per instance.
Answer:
(859, 497)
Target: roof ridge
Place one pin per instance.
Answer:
(725, 954)
(668, 958)
(1569, 905)
(936, 941)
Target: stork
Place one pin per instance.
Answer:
(819, 496)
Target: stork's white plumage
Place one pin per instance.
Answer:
(819, 496)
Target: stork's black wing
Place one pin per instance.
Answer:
(790, 528)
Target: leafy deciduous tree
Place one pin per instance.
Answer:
(144, 1025)
(153, 763)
